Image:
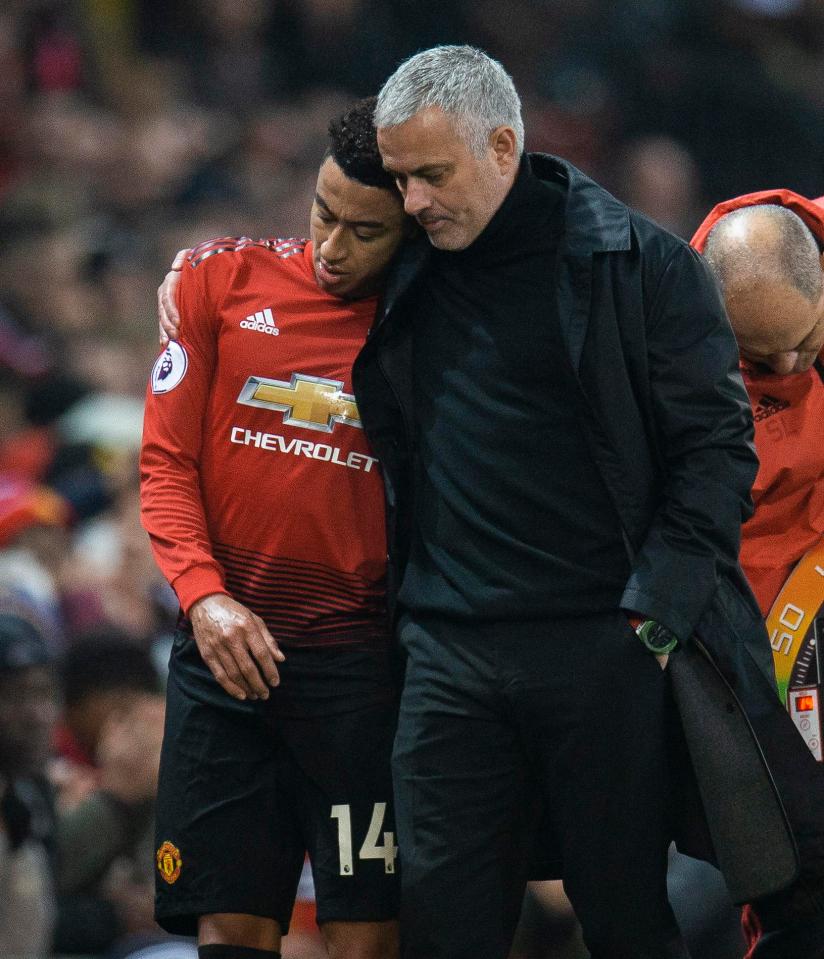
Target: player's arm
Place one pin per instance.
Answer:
(233, 641)
(704, 434)
(168, 315)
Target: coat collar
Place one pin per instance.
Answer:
(411, 260)
(595, 222)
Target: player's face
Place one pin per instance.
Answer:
(778, 327)
(356, 231)
(450, 191)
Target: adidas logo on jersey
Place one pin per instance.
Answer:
(768, 406)
(261, 322)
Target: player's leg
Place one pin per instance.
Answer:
(461, 798)
(229, 846)
(252, 933)
(604, 749)
(362, 940)
(344, 791)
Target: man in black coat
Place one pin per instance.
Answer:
(552, 389)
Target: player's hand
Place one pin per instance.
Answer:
(168, 317)
(663, 659)
(236, 645)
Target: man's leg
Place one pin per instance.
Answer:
(361, 940)
(460, 792)
(237, 936)
(595, 706)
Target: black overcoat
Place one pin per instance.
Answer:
(668, 423)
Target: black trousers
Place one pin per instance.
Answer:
(508, 725)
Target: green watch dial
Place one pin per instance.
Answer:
(656, 637)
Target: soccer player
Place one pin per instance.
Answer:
(264, 505)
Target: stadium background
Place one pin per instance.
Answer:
(131, 128)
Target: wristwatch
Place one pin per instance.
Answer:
(656, 637)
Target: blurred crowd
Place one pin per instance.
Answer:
(131, 128)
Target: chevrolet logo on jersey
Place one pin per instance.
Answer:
(309, 401)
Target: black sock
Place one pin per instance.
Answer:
(235, 952)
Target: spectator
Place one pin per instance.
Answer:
(660, 178)
(106, 776)
(33, 537)
(28, 712)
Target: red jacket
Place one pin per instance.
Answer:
(789, 412)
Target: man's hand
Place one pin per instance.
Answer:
(236, 645)
(168, 317)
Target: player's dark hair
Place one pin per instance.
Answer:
(353, 145)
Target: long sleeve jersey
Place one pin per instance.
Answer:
(789, 490)
(256, 476)
(788, 493)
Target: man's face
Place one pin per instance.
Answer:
(777, 327)
(452, 193)
(356, 231)
(29, 710)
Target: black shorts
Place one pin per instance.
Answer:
(247, 788)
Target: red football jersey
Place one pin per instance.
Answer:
(256, 476)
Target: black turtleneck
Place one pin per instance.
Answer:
(512, 520)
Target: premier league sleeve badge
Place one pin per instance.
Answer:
(169, 369)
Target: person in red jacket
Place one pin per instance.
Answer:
(766, 251)
(264, 506)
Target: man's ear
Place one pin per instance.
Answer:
(504, 144)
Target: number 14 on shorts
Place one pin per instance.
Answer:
(370, 849)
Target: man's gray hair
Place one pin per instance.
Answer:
(465, 83)
(790, 254)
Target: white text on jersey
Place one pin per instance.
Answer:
(315, 451)
(262, 322)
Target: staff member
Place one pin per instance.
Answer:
(766, 251)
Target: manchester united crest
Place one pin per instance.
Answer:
(169, 862)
